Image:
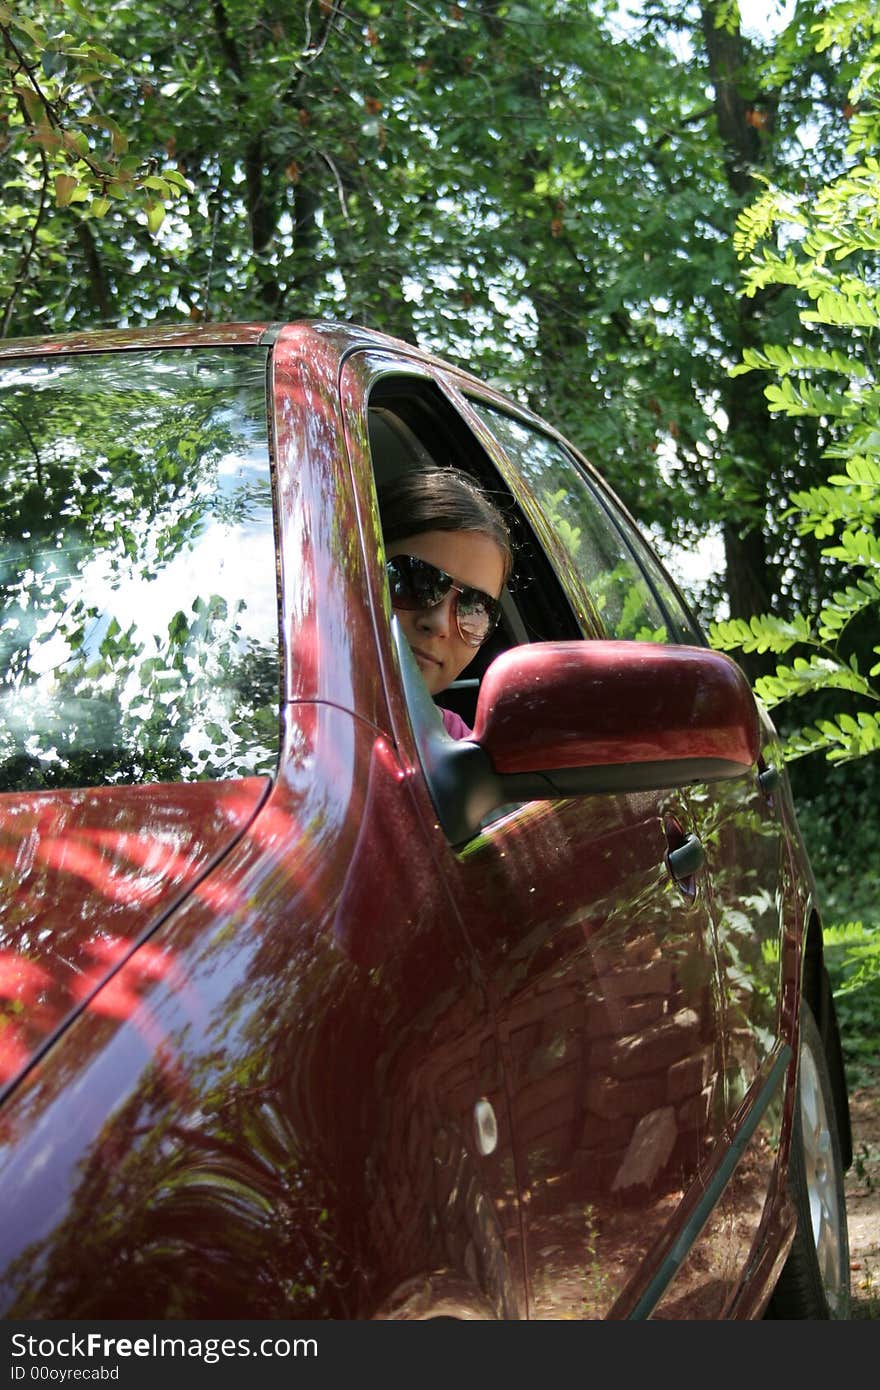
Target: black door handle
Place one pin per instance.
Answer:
(685, 861)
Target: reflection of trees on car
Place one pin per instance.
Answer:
(155, 1171)
(589, 545)
(124, 485)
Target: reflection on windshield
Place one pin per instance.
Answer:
(138, 603)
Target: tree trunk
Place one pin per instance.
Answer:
(750, 581)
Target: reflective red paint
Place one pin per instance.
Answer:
(224, 1106)
(91, 872)
(555, 705)
(126, 339)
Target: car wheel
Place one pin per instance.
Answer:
(815, 1278)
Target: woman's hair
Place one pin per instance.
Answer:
(441, 499)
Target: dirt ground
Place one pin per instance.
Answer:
(863, 1202)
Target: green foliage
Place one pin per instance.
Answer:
(827, 243)
(760, 634)
(827, 252)
(852, 954)
(842, 835)
(860, 961)
(535, 190)
(835, 814)
(61, 144)
(532, 189)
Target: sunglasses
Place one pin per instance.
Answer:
(415, 584)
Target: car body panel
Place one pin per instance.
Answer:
(270, 1097)
(678, 1099)
(326, 611)
(124, 339)
(85, 876)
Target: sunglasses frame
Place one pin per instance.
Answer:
(493, 605)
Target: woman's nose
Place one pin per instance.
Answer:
(438, 619)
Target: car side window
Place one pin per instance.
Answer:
(139, 635)
(412, 425)
(634, 599)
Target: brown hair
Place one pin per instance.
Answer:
(441, 499)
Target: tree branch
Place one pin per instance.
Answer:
(20, 280)
(95, 267)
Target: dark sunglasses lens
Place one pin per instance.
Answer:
(476, 615)
(416, 584)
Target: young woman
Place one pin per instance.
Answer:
(449, 556)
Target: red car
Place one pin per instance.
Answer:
(309, 1009)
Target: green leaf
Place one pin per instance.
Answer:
(79, 8)
(844, 311)
(764, 633)
(173, 176)
(65, 186)
(76, 141)
(159, 185)
(155, 215)
(804, 677)
(857, 548)
(842, 738)
(800, 357)
(33, 103)
(35, 33)
(118, 140)
(860, 470)
(52, 62)
(803, 399)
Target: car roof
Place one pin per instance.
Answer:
(187, 334)
(158, 335)
(343, 336)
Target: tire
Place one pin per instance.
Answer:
(826, 1017)
(814, 1282)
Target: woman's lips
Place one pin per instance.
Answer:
(426, 656)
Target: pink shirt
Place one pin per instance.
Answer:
(455, 725)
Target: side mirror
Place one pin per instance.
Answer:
(562, 719)
(617, 716)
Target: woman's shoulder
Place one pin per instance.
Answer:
(455, 725)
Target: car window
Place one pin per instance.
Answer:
(138, 595)
(412, 425)
(685, 626)
(634, 600)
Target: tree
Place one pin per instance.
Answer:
(63, 146)
(824, 244)
(528, 187)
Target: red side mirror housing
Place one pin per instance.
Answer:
(562, 719)
(626, 716)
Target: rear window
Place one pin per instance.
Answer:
(138, 595)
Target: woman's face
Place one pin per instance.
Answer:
(472, 558)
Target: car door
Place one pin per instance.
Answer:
(736, 896)
(599, 964)
(749, 882)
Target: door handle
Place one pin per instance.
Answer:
(768, 779)
(687, 860)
